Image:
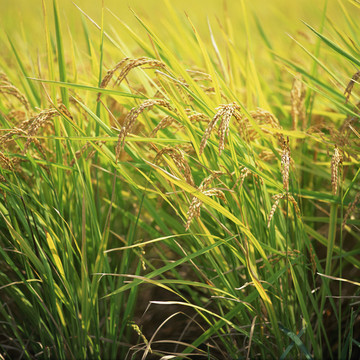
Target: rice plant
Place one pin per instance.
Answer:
(180, 189)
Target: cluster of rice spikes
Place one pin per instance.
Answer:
(224, 112)
(132, 117)
(165, 122)
(28, 129)
(168, 120)
(345, 136)
(277, 199)
(244, 173)
(7, 88)
(285, 172)
(336, 160)
(127, 65)
(197, 117)
(195, 206)
(262, 117)
(297, 94)
(177, 155)
(266, 155)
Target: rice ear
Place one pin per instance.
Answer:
(224, 113)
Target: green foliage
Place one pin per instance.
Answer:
(206, 163)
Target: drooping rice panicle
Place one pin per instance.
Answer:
(285, 164)
(7, 163)
(37, 122)
(297, 94)
(194, 209)
(177, 156)
(277, 199)
(29, 128)
(336, 160)
(351, 208)
(265, 116)
(163, 124)
(351, 84)
(197, 117)
(296, 206)
(244, 173)
(6, 87)
(224, 112)
(207, 181)
(195, 206)
(132, 117)
(110, 73)
(134, 63)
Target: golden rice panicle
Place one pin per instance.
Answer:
(194, 211)
(8, 136)
(224, 112)
(228, 112)
(207, 181)
(215, 192)
(133, 63)
(267, 155)
(296, 206)
(266, 117)
(351, 208)
(195, 206)
(197, 117)
(336, 160)
(131, 119)
(351, 84)
(208, 132)
(105, 81)
(245, 172)
(285, 164)
(35, 125)
(7, 163)
(297, 94)
(163, 124)
(277, 199)
(6, 87)
(177, 155)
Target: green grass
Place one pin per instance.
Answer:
(95, 258)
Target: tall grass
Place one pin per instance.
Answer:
(188, 193)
